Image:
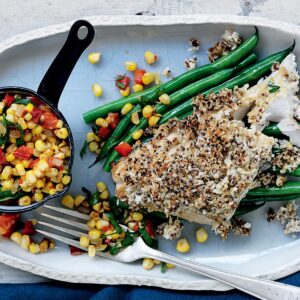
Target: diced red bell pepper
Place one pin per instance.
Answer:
(36, 114)
(49, 120)
(123, 149)
(113, 120)
(149, 228)
(23, 152)
(8, 99)
(75, 251)
(135, 227)
(33, 163)
(8, 223)
(28, 228)
(122, 82)
(104, 132)
(138, 74)
(2, 157)
(55, 162)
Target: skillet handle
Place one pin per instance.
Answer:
(61, 68)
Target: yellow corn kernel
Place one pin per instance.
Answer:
(96, 137)
(91, 223)
(10, 157)
(31, 125)
(30, 177)
(66, 179)
(137, 134)
(148, 264)
(101, 186)
(126, 108)
(52, 172)
(164, 99)
(14, 172)
(84, 241)
(137, 216)
(24, 201)
(148, 111)
(153, 120)
(12, 140)
(137, 87)
(34, 248)
(115, 236)
(16, 237)
(22, 123)
(130, 66)
(48, 153)
(38, 196)
(42, 165)
(7, 184)
(6, 172)
(29, 107)
(27, 137)
(201, 235)
(135, 119)
(94, 234)
(183, 246)
(38, 129)
(101, 122)
(11, 118)
(59, 124)
(148, 78)
(156, 261)
(157, 79)
(97, 90)
(170, 266)
(150, 57)
(28, 117)
(52, 191)
(40, 146)
(101, 223)
(93, 146)
(104, 195)
(44, 246)
(68, 201)
(20, 169)
(11, 111)
(38, 173)
(126, 92)
(91, 251)
(94, 57)
(59, 187)
(61, 133)
(51, 244)
(79, 199)
(25, 241)
(1, 107)
(97, 207)
(90, 136)
(40, 184)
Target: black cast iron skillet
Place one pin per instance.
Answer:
(49, 92)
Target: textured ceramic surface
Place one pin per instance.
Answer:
(23, 61)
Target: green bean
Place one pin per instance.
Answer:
(8, 195)
(289, 188)
(249, 75)
(227, 61)
(114, 222)
(114, 106)
(270, 198)
(273, 130)
(248, 61)
(94, 199)
(175, 98)
(151, 95)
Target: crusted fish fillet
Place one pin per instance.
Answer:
(198, 168)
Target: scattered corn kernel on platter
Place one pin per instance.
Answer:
(139, 55)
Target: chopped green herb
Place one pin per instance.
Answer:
(114, 222)
(22, 101)
(94, 198)
(163, 267)
(273, 88)
(83, 148)
(20, 140)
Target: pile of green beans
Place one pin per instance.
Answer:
(250, 74)
(151, 95)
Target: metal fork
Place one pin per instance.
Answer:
(260, 288)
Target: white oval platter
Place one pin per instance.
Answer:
(23, 61)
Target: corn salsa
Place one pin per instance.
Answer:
(34, 150)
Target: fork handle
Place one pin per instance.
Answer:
(260, 288)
